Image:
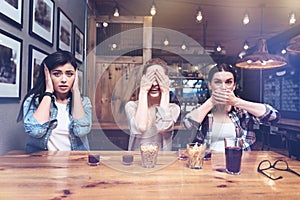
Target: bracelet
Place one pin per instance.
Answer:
(48, 94)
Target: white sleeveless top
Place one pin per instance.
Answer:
(219, 132)
(59, 139)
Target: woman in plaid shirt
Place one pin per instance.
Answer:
(224, 114)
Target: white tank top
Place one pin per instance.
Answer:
(60, 137)
(219, 132)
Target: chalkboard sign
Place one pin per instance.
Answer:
(281, 89)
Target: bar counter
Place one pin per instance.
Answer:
(66, 175)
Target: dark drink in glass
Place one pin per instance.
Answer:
(93, 159)
(233, 159)
(127, 159)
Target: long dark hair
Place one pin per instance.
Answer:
(52, 61)
(223, 67)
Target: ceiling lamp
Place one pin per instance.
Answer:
(166, 42)
(294, 44)
(246, 18)
(104, 24)
(246, 45)
(116, 13)
(153, 9)
(199, 16)
(292, 19)
(261, 59)
(183, 46)
(219, 48)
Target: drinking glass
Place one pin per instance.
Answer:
(196, 152)
(93, 159)
(149, 152)
(233, 154)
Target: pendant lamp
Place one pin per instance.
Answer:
(261, 59)
(294, 45)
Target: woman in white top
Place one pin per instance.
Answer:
(152, 117)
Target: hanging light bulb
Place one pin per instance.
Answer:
(219, 48)
(166, 42)
(183, 46)
(153, 9)
(116, 13)
(246, 45)
(114, 45)
(104, 24)
(199, 16)
(246, 18)
(292, 20)
(283, 51)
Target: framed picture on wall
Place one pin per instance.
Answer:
(12, 12)
(78, 44)
(36, 57)
(41, 21)
(64, 32)
(10, 65)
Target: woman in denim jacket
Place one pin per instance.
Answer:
(226, 115)
(56, 116)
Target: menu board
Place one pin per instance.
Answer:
(282, 91)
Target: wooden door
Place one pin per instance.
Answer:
(111, 80)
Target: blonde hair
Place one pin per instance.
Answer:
(135, 79)
(156, 61)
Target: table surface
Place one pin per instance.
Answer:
(66, 175)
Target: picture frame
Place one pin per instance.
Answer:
(78, 44)
(10, 69)
(41, 22)
(12, 12)
(36, 57)
(64, 31)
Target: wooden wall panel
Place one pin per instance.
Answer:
(112, 80)
(115, 87)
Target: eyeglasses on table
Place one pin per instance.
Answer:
(280, 165)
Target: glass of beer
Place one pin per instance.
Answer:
(196, 152)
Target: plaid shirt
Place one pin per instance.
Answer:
(242, 120)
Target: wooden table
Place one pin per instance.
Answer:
(66, 175)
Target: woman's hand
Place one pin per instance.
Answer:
(163, 81)
(75, 87)
(147, 82)
(224, 97)
(48, 80)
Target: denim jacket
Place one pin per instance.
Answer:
(39, 133)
